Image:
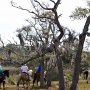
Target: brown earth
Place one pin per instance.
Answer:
(13, 87)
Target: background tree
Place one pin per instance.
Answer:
(81, 13)
(70, 43)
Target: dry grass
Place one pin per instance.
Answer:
(81, 86)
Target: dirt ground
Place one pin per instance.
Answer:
(82, 86)
(13, 87)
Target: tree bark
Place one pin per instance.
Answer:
(49, 78)
(42, 83)
(78, 56)
(60, 72)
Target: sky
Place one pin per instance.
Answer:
(12, 18)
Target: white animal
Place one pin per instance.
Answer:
(30, 72)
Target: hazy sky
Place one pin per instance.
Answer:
(12, 18)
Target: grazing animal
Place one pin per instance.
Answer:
(5, 74)
(86, 74)
(24, 77)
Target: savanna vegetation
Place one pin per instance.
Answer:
(59, 50)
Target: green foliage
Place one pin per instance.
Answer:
(68, 76)
(84, 65)
(55, 76)
(48, 14)
(66, 59)
(80, 13)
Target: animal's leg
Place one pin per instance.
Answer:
(19, 79)
(34, 80)
(0, 86)
(27, 82)
(23, 84)
(86, 76)
(3, 84)
(87, 81)
(45, 80)
(18, 83)
(37, 82)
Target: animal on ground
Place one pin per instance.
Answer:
(86, 75)
(24, 77)
(36, 77)
(2, 78)
(30, 72)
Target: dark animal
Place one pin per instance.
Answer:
(3, 76)
(37, 77)
(85, 74)
(24, 77)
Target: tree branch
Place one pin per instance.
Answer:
(52, 1)
(42, 6)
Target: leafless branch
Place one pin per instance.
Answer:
(14, 41)
(34, 6)
(38, 16)
(33, 25)
(19, 7)
(52, 30)
(56, 4)
(42, 6)
(10, 42)
(52, 1)
(1, 41)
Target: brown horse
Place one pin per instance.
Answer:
(2, 78)
(37, 77)
(24, 77)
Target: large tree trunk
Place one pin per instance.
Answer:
(78, 56)
(49, 77)
(42, 83)
(60, 72)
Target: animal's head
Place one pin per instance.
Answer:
(6, 72)
(30, 72)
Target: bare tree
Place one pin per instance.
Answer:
(78, 55)
(2, 41)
